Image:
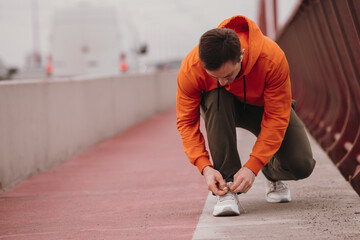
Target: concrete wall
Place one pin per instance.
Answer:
(45, 122)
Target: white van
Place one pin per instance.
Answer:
(3, 71)
(85, 40)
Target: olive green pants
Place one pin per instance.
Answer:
(223, 112)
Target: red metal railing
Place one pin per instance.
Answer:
(322, 46)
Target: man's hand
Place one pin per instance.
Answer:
(243, 180)
(215, 181)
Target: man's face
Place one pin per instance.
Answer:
(226, 74)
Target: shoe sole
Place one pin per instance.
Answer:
(283, 200)
(227, 211)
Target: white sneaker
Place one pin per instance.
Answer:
(277, 192)
(227, 205)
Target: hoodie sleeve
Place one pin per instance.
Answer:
(277, 107)
(188, 120)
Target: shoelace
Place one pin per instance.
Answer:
(228, 196)
(278, 185)
(231, 196)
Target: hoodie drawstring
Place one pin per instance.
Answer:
(218, 100)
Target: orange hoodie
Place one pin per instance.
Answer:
(267, 79)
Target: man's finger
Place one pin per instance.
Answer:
(247, 189)
(222, 184)
(215, 188)
(220, 192)
(243, 187)
(235, 184)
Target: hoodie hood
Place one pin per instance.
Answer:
(243, 26)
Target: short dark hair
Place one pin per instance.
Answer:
(218, 46)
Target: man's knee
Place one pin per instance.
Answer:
(304, 167)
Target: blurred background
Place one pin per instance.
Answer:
(76, 72)
(44, 38)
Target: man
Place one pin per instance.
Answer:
(237, 77)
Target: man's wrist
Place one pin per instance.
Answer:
(250, 170)
(206, 168)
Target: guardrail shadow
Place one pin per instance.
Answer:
(322, 45)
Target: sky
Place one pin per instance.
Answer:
(170, 28)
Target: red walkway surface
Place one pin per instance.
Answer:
(137, 185)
